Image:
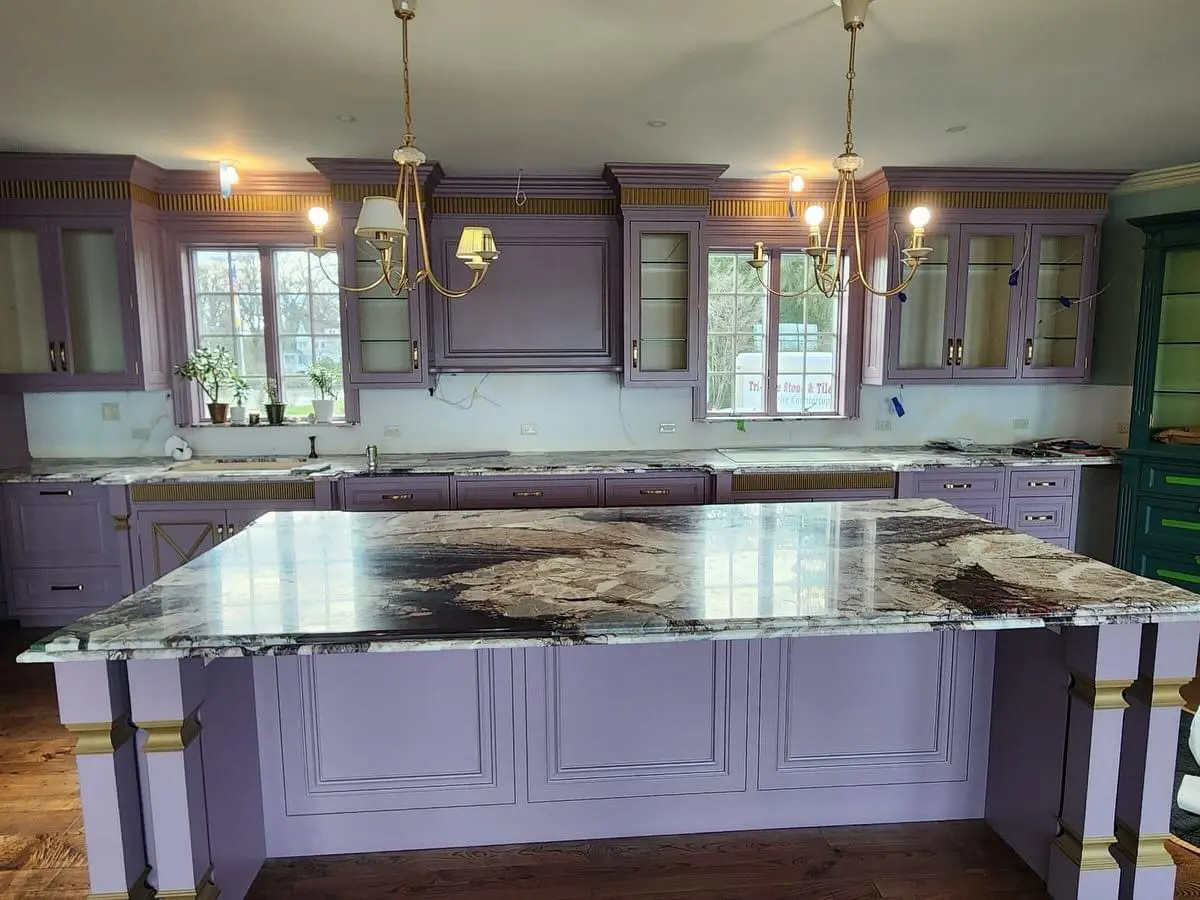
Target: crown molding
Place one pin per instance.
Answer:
(205, 181)
(771, 189)
(1058, 181)
(79, 167)
(532, 185)
(1160, 179)
(374, 171)
(677, 175)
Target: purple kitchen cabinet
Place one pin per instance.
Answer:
(1044, 517)
(527, 492)
(56, 596)
(992, 510)
(382, 494)
(1056, 328)
(53, 524)
(170, 538)
(656, 489)
(664, 291)
(951, 485)
(549, 303)
(1052, 481)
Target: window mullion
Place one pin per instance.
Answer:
(271, 321)
(771, 348)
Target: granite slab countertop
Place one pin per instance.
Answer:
(334, 582)
(827, 459)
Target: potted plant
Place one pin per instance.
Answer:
(241, 390)
(273, 407)
(212, 368)
(323, 374)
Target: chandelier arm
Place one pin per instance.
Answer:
(427, 269)
(345, 287)
(782, 294)
(858, 260)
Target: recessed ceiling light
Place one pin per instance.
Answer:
(955, 129)
(657, 123)
(345, 118)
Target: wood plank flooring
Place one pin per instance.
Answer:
(42, 853)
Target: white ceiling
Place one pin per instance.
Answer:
(565, 85)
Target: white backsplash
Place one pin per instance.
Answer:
(580, 412)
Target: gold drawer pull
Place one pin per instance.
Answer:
(655, 492)
(635, 354)
(396, 497)
(951, 486)
(220, 531)
(950, 351)
(1039, 518)
(1043, 484)
(66, 587)
(1029, 351)
(527, 493)
(66, 493)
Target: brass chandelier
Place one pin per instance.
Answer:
(383, 221)
(825, 250)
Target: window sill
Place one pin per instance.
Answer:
(285, 424)
(757, 418)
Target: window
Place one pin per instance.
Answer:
(276, 311)
(768, 356)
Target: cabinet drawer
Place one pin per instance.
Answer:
(43, 591)
(946, 484)
(993, 511)
(384, 494)
(526, 493)
(1059, 481)
(1176, 481)
(1168, 523)
(49, 524)
(1180, 569)
(1045, 517)
(655, 491)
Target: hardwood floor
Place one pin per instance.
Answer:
(42, 853)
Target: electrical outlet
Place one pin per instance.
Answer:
(392, 431)
(1122, 428)
(1020, 424)
(667, 428)
(883, 425)
(140, 434)
(110, 412)
(529, 428)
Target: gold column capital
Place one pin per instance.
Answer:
(99, 738)
(139, 890)
(1161, 693)
(170, 735)
(1144, 851)
(1099, 694)
(1087, 853)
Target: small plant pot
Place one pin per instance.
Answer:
(237, 415)
(274, 413)
(218, 413)
(323, 410)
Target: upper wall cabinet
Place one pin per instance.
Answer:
(549, 302)
(1009, 290)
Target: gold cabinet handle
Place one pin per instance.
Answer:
(66, 587)
(1029, 351)
(220, 531)
(527, 493)
(64, 493)
(230, 530)
(950, 351)
(396, 497)
(952, 486)
(62, 356)
(416, 355)
(655, 492)
(53, 362)
(635, 354)
(1037, 484)
(1039, 518)
(958, 357)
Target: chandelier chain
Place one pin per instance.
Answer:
(408, 126)
(850, 90)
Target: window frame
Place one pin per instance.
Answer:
(847, 372)
(193, 411)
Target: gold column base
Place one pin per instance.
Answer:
(1088, 853)
(170, 735)
(1162, 693)
(1099, 694)
(1145, 851)
(100, 738)
(204, 890)
(139, 890)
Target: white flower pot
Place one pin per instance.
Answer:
(323, 409)
(237, 415)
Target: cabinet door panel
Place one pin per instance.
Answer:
(953, 485)
(1179, 569)
(655, 490)
(50, 525)
(1057, 328)
(1055, 481)
(24, 339)
(170, 538)
(526, 493)
(98, 296)
(388, 494)
(920, 327)
(662, 298)
(988, 313)
(65, 592)
(1044, 517)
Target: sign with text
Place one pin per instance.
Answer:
(805, 386)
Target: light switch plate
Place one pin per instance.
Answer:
(110, 412)
(529, 428)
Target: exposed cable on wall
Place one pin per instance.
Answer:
(466, 402)
(520, 198)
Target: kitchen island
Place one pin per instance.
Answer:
(606, 672)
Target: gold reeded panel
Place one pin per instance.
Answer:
(1087, 853)
(1147, 851)
(354, 193)
(1161, 693)
(170, 492)
(651, 196)
(170, 735)
(1096, 201)
(99, 738)
(1100, 694)
(816, 481)
(139, 890)
(65, 190)
(727, 208)
(534, 206)
(241, 203)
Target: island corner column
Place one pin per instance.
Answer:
(1149, 747)
(165, 701)
(93, 703)
(1103, 663)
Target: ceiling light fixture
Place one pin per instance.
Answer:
(826, 250)
(346, 118)
(796, 185)
(228, 176)
(657, 123)
(383, 221)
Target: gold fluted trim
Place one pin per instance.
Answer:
(534, 206)
(139, 890)
(1147, 851)
(204, 890)
(1162, 693)
(170, 735)
(186, 491)
(1096, 201)
(652, 196)
(99, 738)
(815, 481)
(729, 208)
(143, 195)
(1087, 853)
(354, 193)
(877, 206)
(241, 203)
(1100, 694)
(47, 189)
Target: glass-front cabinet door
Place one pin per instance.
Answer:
(1059, 302)
(924, 318)
(662, 299)
(384, 331)
(1175, 401)
(988, 307)
(25, 346)
(99, 297)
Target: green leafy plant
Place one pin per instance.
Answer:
(272, 391)
(210, 367)
(241, 388)
(325, 375)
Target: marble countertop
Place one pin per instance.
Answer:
(828, 459)
(324, 582)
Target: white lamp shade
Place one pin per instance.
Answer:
(477, 241)
(380, 215)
